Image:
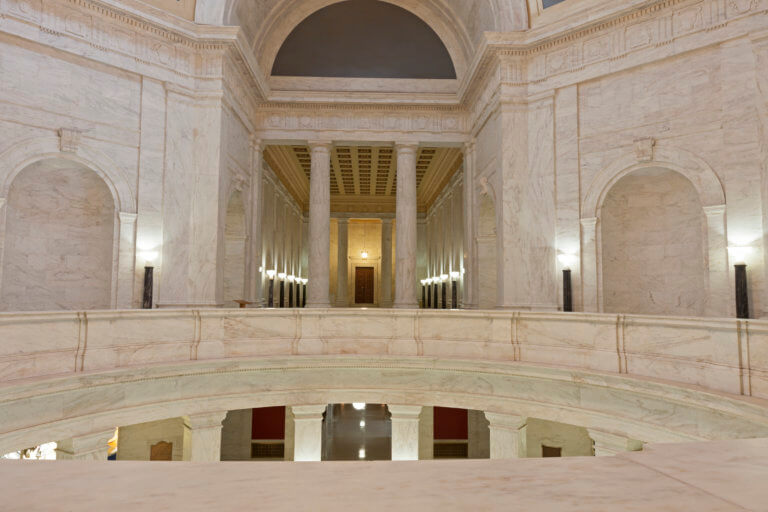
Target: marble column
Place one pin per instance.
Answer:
(719, 302)
(86, 447)
(308, 432)
(427, 433)
(405, 235)
(470, 249)
(507, 435)
(589, 265)
(405, 431)
(126, 260)
(202, 436)
(257, 219)
(607, 443)
(385, 301)
(342, 267)
(760, 51)
(319, 226)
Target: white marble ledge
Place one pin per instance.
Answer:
(706, 477)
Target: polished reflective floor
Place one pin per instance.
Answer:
(357, 432)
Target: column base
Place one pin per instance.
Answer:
(318, 306)
(414, 305)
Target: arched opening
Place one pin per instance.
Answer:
(653, 259)
(364, 39)
(486, 252)
(60, 225)
(234, 250)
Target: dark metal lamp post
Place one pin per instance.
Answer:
(271, 297)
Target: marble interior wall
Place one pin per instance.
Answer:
(236, 435)
(574, 440)
(58, 251)
(486, 252)
(234, 251)
(134, 442)
(702, 102)
(652, 230)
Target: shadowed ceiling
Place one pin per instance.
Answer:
(364, 178)
(364, 39)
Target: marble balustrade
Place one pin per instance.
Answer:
(723, 355)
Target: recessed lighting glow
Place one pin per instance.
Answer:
(359, 406)
(361, 453)
(362, 423)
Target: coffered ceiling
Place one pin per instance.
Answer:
(364, 178)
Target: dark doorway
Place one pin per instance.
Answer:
(551, 451)
(364, 285)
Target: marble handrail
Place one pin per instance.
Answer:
(725, 355)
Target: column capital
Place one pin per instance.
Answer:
(256, 143)
(609, 443)
(320, 145)
(91, 446)
(588, 222)
(404, 412)
(384, 222)
(506, 421)
(406, 147)
(342, 220)
(715, 210)
(470, 145)
(308, 412)
(205, 420)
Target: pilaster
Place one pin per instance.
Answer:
(202, 437)
(308, 432)
(405, 431)
(507, 435)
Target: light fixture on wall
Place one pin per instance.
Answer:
(271, 298)
(149, 272)
(423, 293)
(739, 255)
(444, 294)
(567, 261)
(290, 280)
(281, 276)
(364, 252)
(455, 289)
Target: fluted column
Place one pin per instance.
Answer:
(405, 431)
(256, 260)
(86, 447)
(405, 238)
(308, 432)
(319, 226)
(507, 435)
(470, 250)
(342, 265)
(202, 437)
(385, 300)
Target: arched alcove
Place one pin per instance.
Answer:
(234, 250)
(364, 39)
(653, 245)
(60, 227)
(486, 252)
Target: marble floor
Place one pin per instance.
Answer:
(702, 477)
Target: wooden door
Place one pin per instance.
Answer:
(363, 285)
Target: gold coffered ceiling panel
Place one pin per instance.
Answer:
(364, 178)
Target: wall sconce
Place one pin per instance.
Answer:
(271, 299)
(455, 289)
(567, 261)
(364, 254)
(739, 257)
(149, 272)
(281, 276)
(290, 280)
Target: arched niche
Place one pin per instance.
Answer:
(487, 252)
(653, 244)
(59, 244)
(234, 250)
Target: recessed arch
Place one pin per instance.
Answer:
(363, 39)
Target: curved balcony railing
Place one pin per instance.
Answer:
(723, 355)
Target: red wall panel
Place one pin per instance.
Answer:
(268, 423)
(450, 423)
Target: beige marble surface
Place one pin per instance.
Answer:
(724, 476)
